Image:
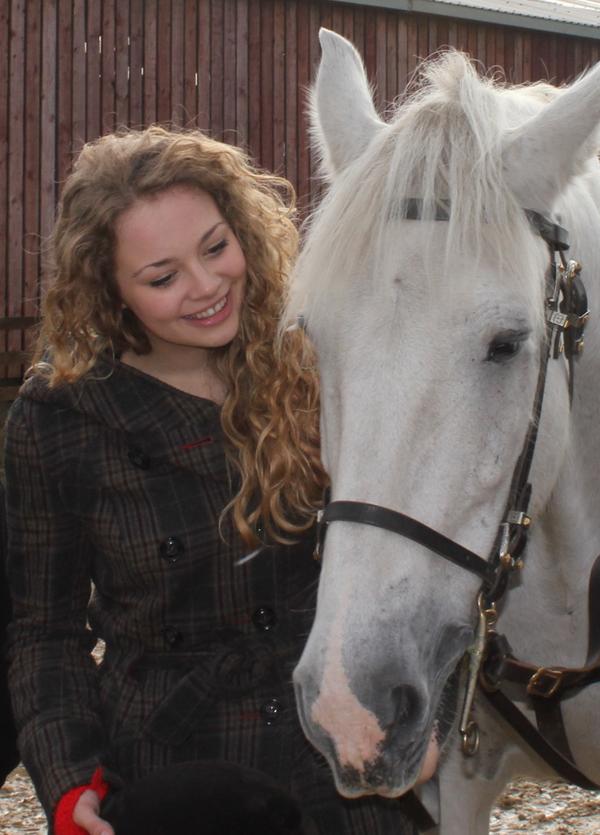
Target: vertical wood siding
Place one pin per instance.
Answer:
(71, 70)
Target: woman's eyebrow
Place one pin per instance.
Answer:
(164, 261)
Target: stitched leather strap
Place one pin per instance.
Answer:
(544, 687)
(536, 741)
(392, 520)
(550, 682)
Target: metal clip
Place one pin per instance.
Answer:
(298, 325)
(516, 517)
(505, 540)
(468, 728)
(513, 517)
(572, 269)
(583, 319)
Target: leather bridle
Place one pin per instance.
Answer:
(490, 659)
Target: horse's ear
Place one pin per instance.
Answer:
(343, 117)
(541, 156)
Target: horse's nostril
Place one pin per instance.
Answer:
(408, 704)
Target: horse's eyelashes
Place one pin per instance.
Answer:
(502, 350)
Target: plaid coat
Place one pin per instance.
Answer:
(114, 489)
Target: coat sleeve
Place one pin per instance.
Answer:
(52, 676)
(9, 757)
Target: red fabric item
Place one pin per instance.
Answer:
(63, 817)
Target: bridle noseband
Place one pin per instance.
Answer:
(566, 315)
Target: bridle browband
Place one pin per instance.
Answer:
(491, 660)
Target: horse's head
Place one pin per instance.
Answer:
(422, 283)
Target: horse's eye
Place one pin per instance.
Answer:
(501, 350)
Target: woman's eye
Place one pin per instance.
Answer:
(218, 247)
(162, 281)
(503, 349)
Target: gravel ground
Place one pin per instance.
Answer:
(20, 811)
(550, 808)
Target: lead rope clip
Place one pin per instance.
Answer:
(469, 730)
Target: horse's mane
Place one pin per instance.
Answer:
(442, 142)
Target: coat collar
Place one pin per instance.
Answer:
(159, 420)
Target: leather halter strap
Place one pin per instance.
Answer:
(561, 764)
(555, 236)
(392, 520)
(544, 688)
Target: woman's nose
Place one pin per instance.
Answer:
(202, 282)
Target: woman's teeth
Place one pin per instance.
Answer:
(211, 311)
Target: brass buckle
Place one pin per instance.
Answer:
(550, 679)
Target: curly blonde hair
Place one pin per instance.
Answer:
(270, 414)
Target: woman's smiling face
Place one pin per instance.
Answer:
(180, 270)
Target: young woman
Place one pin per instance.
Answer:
(163, 470)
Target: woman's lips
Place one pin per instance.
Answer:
(213, 315)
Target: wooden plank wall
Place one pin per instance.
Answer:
(71, 70)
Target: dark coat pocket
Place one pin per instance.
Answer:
(181, 711)
(236, 671)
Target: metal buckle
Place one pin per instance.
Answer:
(560, 320)
(516, 517)
(506, 559)
(298, 325)
(571, 269)
(550, 679)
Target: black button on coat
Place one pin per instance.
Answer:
(264, 618)
(186, 674)
(171, 549)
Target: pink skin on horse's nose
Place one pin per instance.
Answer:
(354, 729)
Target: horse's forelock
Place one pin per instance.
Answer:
(444, 141)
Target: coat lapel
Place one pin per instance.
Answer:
(162, 424)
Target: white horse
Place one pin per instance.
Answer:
(423, 284)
